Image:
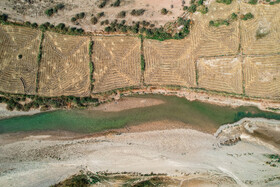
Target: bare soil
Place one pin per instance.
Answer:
(128, 103)
(34, 11)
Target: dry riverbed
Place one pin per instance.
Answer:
(46, 159)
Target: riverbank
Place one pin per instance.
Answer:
(4, 113)
(175, 152)
(115, 102)
(211, 97)
(127, 103)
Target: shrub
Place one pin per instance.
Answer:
(102, 4)
(122, 14)
(49, 12)
(227, 2)
(233, 16)
(203, 9)
(164, 11)
(60, 26)
(138, 12)
(100, 14)
(218, 23)
(3, 17)
(94, 20)
(60, 6)
(73, 19)
(185, 8)
(108, 29)
(200, 2)
(82, 15)
(34, 25)
(116, 3)
(253, 2)
(192, 8)
(247, 16)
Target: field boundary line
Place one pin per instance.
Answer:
(91, 64)
(39, 58)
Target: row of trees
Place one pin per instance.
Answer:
(146, 29)
(49, 12)
(21, 103)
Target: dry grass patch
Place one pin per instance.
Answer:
(18, 59)
(64, 68)
(169, 63)
(117, 62)
(261, 35)
(221, 74)
(215, 41)
(262, 76)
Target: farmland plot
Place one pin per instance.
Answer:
(261, 35)
(117, 62)
(220, 74)
(169, 63)
(18, 59)
(262, 76)
(64, 68)
(215, 41)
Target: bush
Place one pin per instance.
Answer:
(138, 12)
(73, 19)
(253, 2)
(116, 3)
(247, 16)
(192, 8)
(218, 23)
(227, 2)
(122, 14)
(185, 8)
(100, 14)
(49, 12)
(60, 6)
(164, 11)
(82, 15)
(233, 16)
(3, 17)
(108, 29)
(102, 4)
(94, 20)
(34, 25)
(60, 26)
(203, 9)
(200, 2)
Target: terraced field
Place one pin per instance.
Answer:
(18, 59)
(64, 68)
(117, 62)
(215, 41)
(260, 35)
(240, 57)
(262, 76)
(169, 63)
(220, 74)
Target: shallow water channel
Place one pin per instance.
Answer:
(203, 115)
